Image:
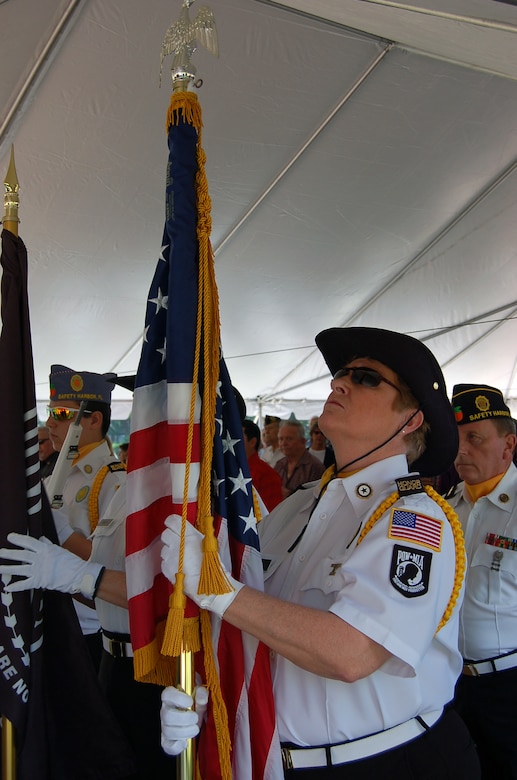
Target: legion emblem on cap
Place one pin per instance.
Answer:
(76, 383)
(472, 403)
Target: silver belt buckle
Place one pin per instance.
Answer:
(117, 649)
(287, 761)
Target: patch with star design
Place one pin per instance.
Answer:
(410, 570)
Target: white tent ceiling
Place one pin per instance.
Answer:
(361, 158)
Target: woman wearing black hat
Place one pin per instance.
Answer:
(363, 575)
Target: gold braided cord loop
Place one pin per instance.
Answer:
(459, 544)
(93, 498)
(461, 556)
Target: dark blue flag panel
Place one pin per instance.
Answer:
(48, 686)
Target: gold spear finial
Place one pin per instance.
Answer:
(181, 40)
(11, 197)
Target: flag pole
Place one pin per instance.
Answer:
(186, 761)
(10, 222)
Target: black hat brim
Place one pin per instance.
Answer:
(417, 366)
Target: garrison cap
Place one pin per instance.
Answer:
(69, 385)
(472, 403)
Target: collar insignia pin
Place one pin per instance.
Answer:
(363, 490)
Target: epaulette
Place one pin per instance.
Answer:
(117, 465)
(408, 486)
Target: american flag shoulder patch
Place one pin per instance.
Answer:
(411, 526)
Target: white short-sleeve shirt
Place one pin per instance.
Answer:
(488, 617)
(394, 590)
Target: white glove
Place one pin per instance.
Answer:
(192, 566)
(178, 718)
(46, 565)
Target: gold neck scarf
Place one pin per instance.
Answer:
(483, 488)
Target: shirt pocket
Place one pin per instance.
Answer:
(322, 584)
(109, 543)
(493, 575)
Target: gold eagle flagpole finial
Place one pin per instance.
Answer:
(181, 41)
(11, 197)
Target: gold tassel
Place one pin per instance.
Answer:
(224, 745)
(212, 578)
(173, 637)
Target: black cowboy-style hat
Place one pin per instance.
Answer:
(413, 362)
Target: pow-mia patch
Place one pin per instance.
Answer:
(410, 570)
(82, 493)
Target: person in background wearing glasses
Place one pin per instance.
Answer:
(47, 454)
(486, 503)
(298, 465)
(363, 581)
(95, 474)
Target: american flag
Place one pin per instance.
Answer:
(243, 661)
(413, 527)
(159, 445)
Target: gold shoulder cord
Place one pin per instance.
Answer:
(459, 543)
(93, 500)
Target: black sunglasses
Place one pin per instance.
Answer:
(361, 375)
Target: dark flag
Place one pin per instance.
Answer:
(48, 687)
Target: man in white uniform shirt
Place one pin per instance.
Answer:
(95, 474)
(363, 577)
(486, 503)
